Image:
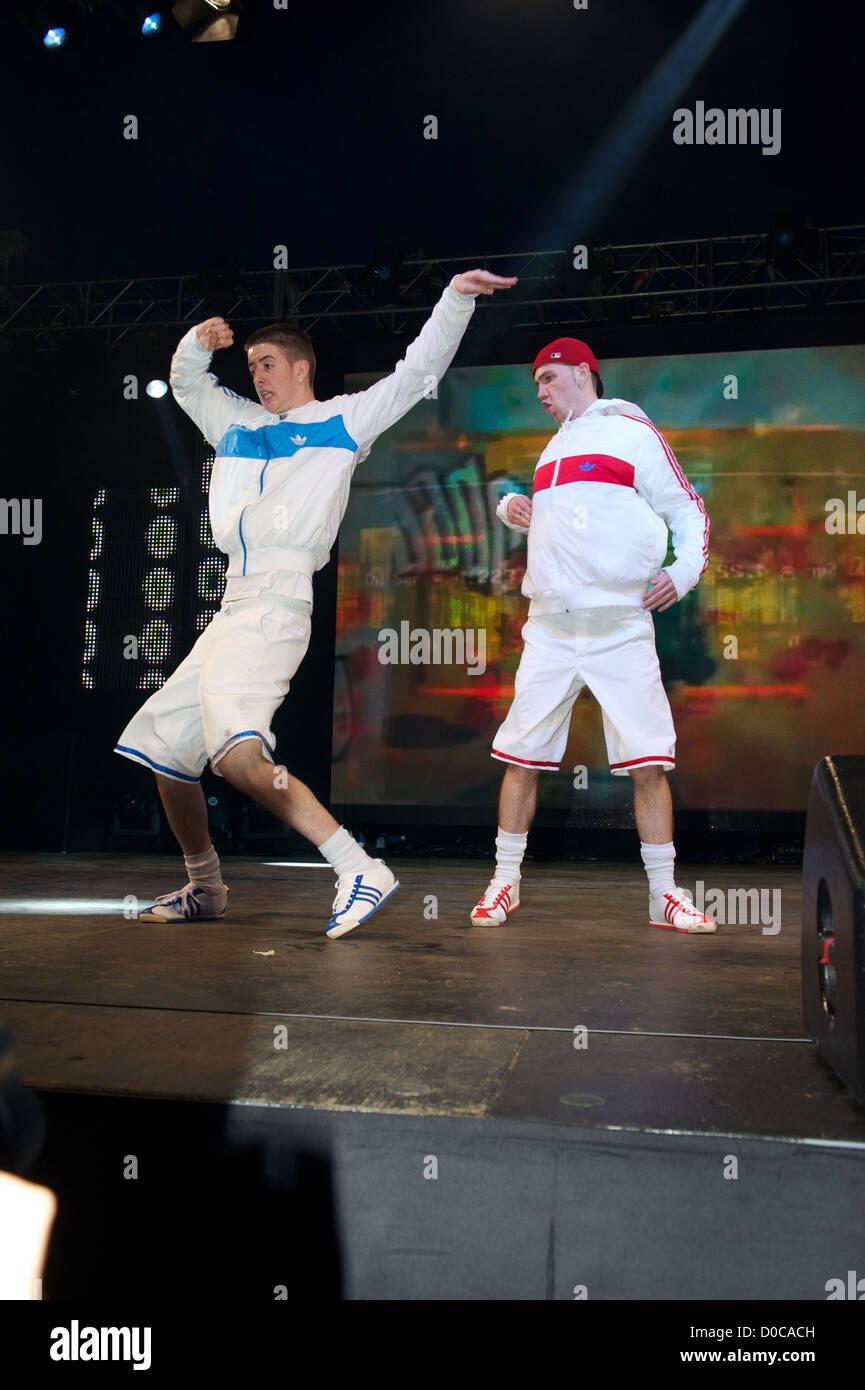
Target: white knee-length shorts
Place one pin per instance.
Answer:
(226, 690)
(611, 651)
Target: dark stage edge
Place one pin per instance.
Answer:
(418, 1037)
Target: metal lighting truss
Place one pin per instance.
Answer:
(708, 277)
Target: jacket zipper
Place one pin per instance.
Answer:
(242, 541)
(553, 514)
(243, 513)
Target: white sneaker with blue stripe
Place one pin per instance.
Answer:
(358, 896)
(189, 905)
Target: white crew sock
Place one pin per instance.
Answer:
(659, 861)
(204, 870)
(343, 852)
(509, 855)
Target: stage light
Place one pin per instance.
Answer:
(144, 19)
(215, 21)
(791, 238)
(161, 536)
(53, 24)
(156, 388)
(384, 275)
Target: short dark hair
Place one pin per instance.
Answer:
(295, 343)
(597, 383)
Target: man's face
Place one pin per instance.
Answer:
(275, 378)
(557, 387)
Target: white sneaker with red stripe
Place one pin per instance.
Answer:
(676, 913)
(497, 904)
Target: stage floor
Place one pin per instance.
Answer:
(415, 1013)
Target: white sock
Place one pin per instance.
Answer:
(659, 861)
(509, 855)
(204, 870)
(343, 852)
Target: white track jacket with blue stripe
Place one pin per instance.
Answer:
(280, 484)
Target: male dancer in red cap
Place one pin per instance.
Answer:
(606, 489)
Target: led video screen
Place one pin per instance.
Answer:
(764, 662)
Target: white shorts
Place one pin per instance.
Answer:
(226, 690)
(612, 652)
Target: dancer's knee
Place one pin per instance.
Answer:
(242, 761)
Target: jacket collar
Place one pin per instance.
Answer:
(589, 410)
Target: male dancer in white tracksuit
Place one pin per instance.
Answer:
(606, 488)
(278, 492)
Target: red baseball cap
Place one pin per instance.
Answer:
(571, 351)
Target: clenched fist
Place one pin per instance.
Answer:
(215, 333)
(520, 510)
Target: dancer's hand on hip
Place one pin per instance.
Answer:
(520, 510)
(661, 593)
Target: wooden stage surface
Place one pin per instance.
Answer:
(415, 1014)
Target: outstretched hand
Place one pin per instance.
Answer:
(215, 333)
(483, 282)
(661, 593)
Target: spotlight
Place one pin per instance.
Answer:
(384, 275)
(791, 238)
(135, 815)
(144, 18)
(156, 388)
(52, 23)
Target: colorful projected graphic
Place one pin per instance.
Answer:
(764, 663)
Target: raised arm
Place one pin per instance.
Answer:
(213, 407)
(369, 413)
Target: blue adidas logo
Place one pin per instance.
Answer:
(586, 467)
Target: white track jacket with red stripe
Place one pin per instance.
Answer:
(606, 489)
